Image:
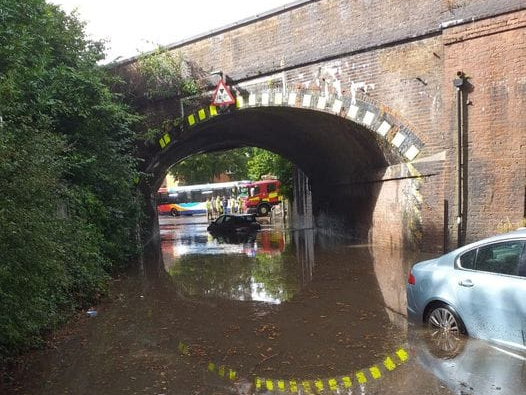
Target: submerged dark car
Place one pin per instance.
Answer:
(234, 223)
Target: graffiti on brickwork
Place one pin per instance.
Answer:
(359, 87)
(327, 79)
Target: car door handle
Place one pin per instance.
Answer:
(466, 283)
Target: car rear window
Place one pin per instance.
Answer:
(467, 261)
(502, 258)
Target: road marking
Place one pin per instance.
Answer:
(402, 354)
(375, 372)
(335, 384)
(389, 364)
(360, 376)
(320, 385)
(347, 382)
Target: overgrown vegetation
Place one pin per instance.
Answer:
(68, 206)
(204, 168)
(68, 202)
(508, 226)
(164, 75)
(265, 162)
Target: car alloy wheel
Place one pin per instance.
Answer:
(445, 319)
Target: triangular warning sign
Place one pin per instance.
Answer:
(222, 95)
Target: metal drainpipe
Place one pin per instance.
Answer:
(459, 83)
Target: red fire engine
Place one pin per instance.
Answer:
(259, 196)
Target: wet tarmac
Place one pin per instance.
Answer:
(280, 311)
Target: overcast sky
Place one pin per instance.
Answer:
(133, 26)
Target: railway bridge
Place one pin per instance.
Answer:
(406, 118)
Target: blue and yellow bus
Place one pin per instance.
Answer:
(191, 199)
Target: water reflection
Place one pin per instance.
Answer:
(469, 366)
(391, 268)
(246, 267)
(284, 306)
(323, 300)
(337, 308)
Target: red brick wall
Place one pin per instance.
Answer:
(492, 53)
(406, 53)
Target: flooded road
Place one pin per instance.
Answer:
(281, 311)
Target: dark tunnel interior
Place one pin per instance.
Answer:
(341, 159)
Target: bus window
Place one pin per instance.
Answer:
(196, 196)
(182, 197)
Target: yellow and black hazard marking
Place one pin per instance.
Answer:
(366, 113)
(165, 140)
(334, 384)
(221, 370)
(318, 386)
(202, 114)
(183, 348)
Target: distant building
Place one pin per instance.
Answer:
(169, 181)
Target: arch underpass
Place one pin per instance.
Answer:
(340, 87)
(349, 149)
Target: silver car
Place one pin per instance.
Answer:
(478, 290)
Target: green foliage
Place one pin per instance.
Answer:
(225, 277)
(164, 75)
(241, 164)
(264, 162)
(508, 226)
(203, 168)
(68, 206)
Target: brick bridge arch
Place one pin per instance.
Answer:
(399, 137)
(457, 176)
(346, 145)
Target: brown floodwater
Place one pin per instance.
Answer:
(281, 311)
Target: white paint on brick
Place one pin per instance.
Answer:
(359, 86)
(306, 100)
(398, 139)
(328, 79)
(353, 112)
(384, 128)
(260, 81)
(412, 152)
(278, 98)
(264, 99)
(292, 99)
(252, 99)
(368, 118)
(441, 156)
(354, 87)
(322, 102)
(337, 106)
